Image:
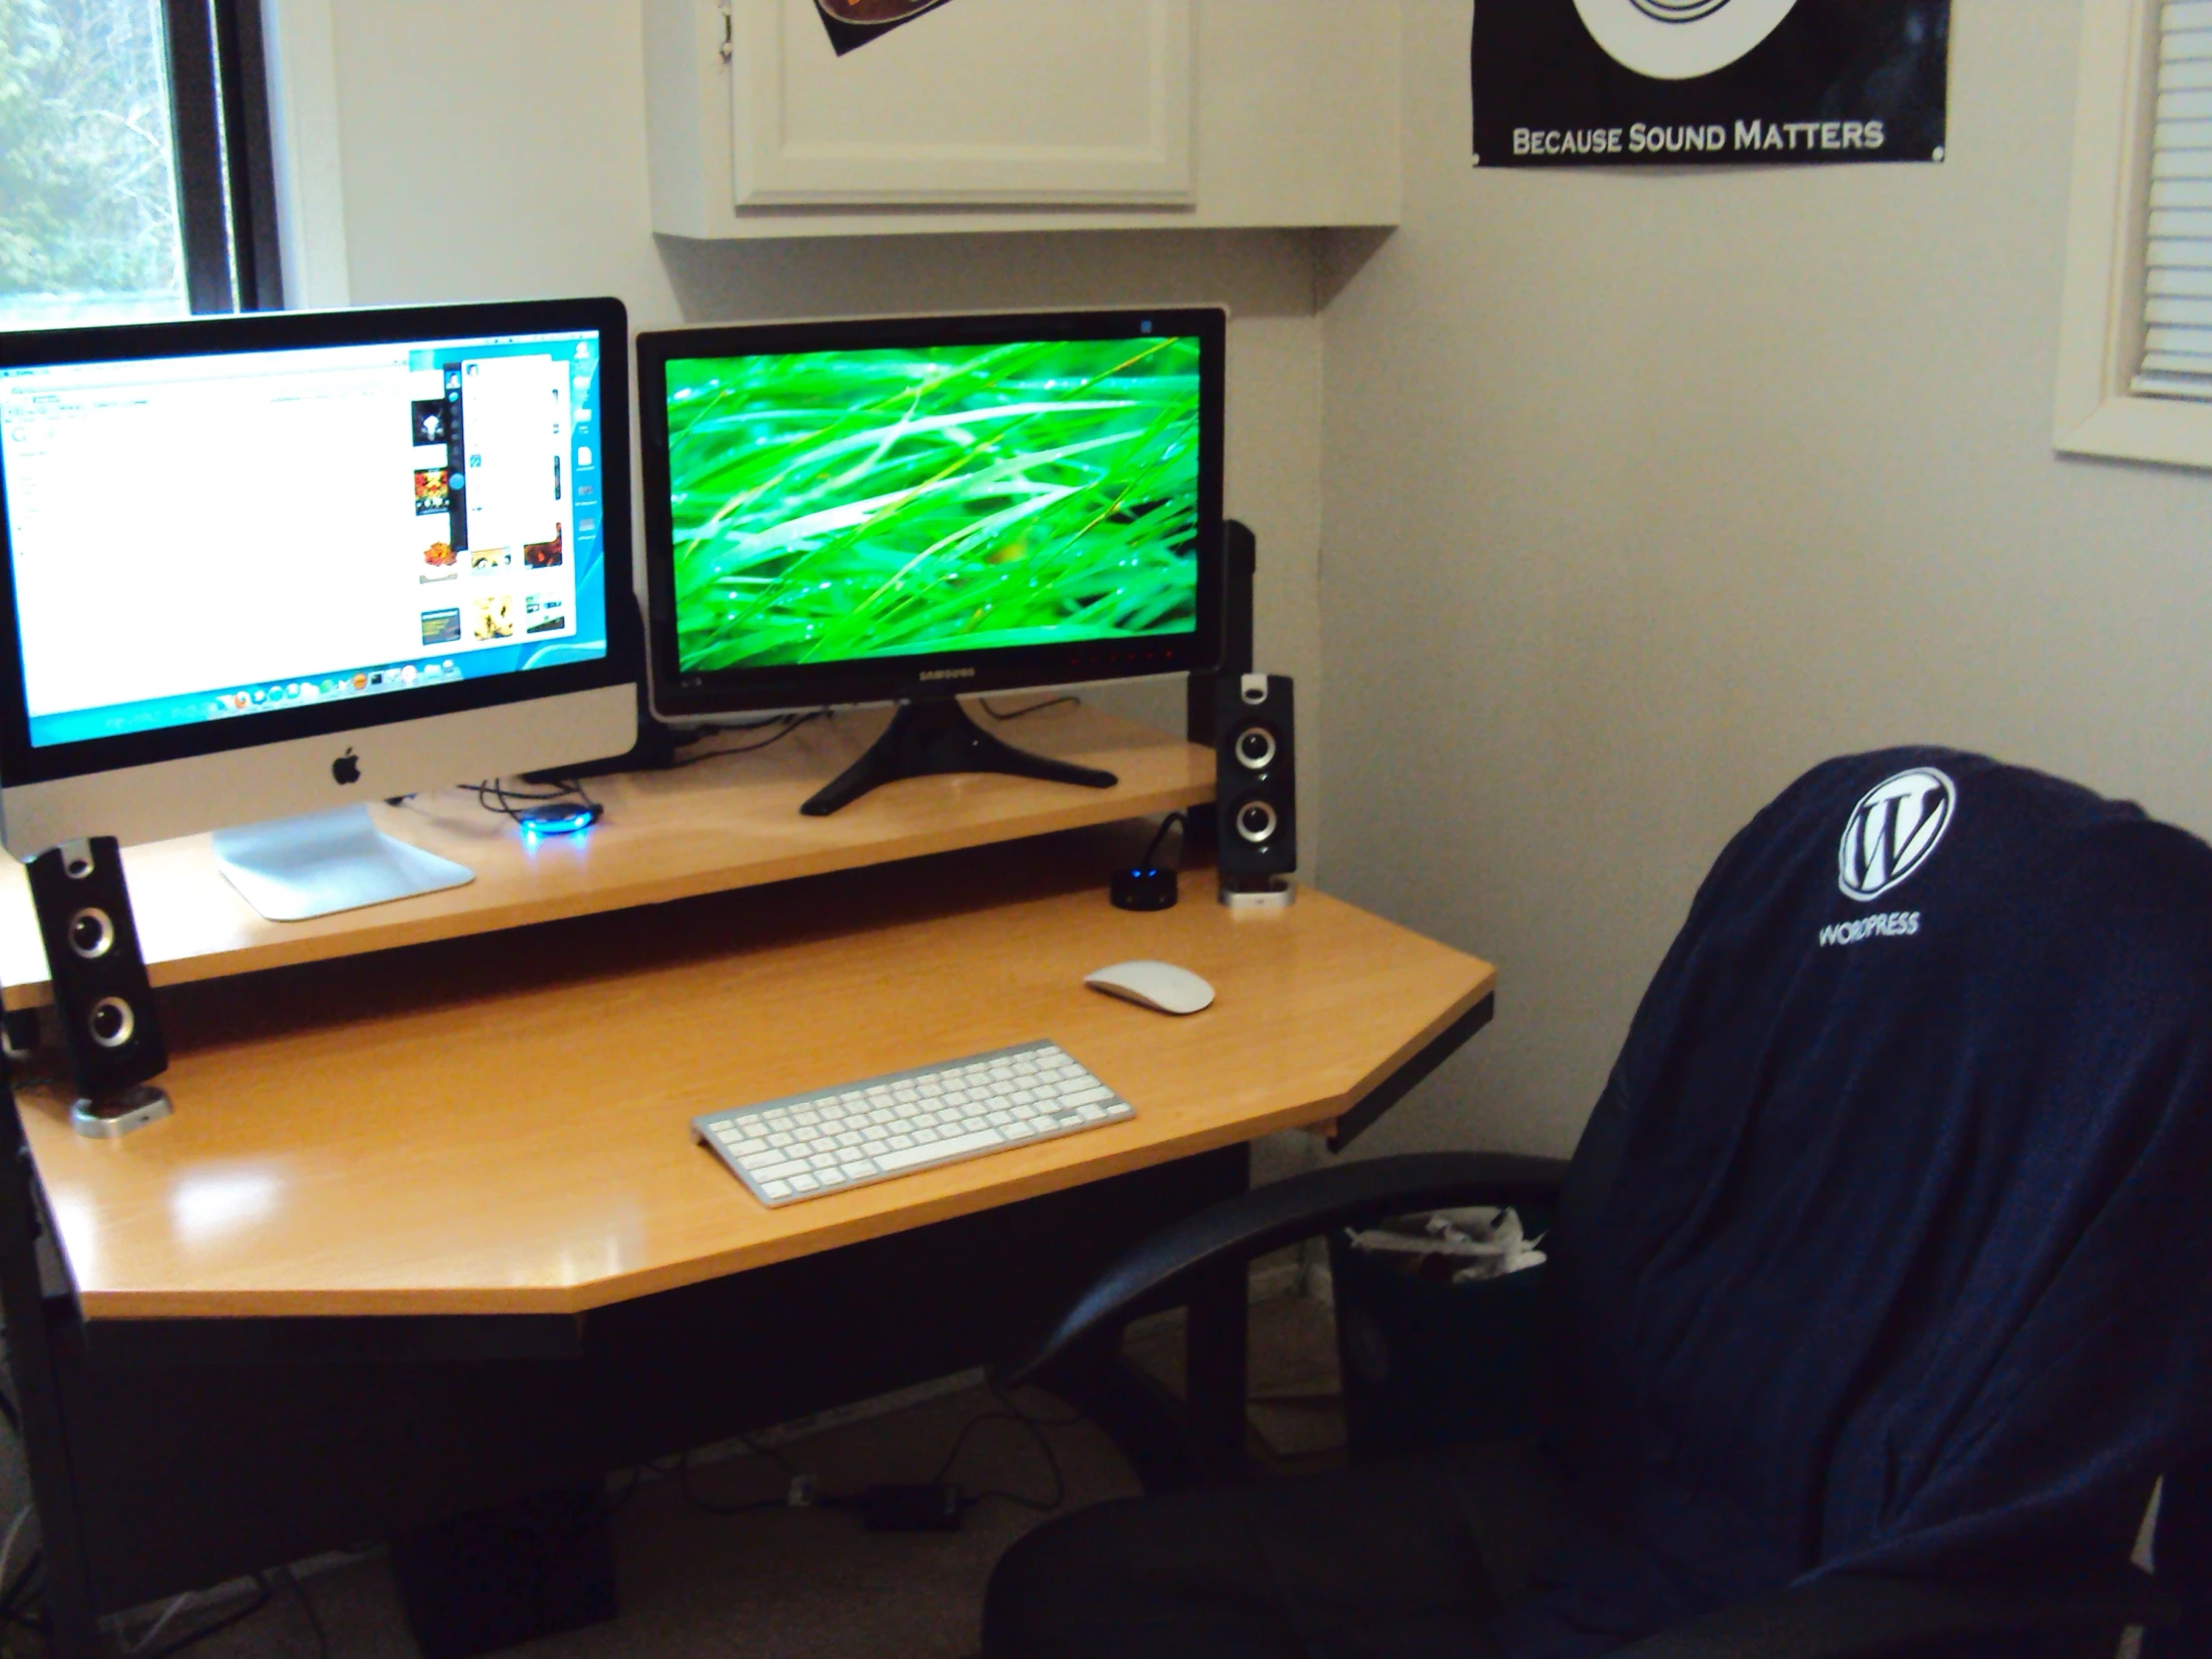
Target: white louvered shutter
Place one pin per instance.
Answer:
(2177, 303)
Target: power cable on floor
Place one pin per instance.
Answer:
(291, 1581)
(264, 1595)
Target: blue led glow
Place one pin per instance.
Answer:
(568, 824)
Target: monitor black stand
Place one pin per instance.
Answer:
(925, 738)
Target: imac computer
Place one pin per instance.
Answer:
(905, 509)
(260, 570)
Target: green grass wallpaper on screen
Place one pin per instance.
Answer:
(831, 505)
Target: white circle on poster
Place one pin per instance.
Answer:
(1679, 40)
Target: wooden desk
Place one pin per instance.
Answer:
(488, 1134)
(312, 1166)
(548, 1064)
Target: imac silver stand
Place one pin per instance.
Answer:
(291, 868)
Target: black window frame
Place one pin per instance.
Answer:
(224, 156)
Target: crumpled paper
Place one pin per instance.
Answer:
(1467, 1246)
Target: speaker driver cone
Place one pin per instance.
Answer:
(91, 932)
(1255, 821)
(1254, 747)
(112, 1022)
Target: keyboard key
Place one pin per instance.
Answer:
(943, 1149)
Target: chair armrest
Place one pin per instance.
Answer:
(1284, 1212)
(1856, 1616)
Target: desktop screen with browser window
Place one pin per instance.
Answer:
(206, 538)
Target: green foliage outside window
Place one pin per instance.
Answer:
(88, 189)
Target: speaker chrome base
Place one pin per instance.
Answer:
(1275, 896)
(115, 1116)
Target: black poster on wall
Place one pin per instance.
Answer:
(1613, 83)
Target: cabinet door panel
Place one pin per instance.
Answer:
(973, 101)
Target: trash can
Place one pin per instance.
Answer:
(1427, 1363)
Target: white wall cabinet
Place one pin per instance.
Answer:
(1023, 114)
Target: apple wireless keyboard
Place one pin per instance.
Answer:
(804, 1145)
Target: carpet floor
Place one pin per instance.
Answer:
(782, 1583)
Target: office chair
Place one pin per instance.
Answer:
(1880, 1293)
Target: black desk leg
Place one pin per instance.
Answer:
(1214, 1361)
(1217, 1317)
(72, 1631)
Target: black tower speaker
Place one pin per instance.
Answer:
(100, 986)
(1239, 552)
(1240, 555)
(1255, 785)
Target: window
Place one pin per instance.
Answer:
(2177, 246)
(2135, 345)
(134, 165)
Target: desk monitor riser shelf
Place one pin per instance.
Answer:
(705, 828)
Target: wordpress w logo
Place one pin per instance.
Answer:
(1893, 829)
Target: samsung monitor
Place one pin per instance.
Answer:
(259, 568)
(905, 509)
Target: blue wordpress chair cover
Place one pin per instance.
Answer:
(1888, 1245)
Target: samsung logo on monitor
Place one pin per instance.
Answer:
(946, 674)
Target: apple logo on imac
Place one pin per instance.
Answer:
(346, 769)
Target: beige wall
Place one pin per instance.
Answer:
(1642, 493)
(530, 179)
